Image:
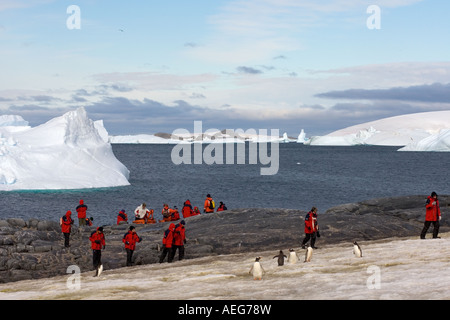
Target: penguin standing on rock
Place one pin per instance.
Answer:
(357, 251)
(257, 269)
(280, 257)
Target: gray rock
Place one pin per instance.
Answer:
(35, 249)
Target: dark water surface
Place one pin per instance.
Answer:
(308, 176)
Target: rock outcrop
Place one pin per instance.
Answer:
(35, 249)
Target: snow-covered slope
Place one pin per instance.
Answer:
(394, 131)
(403, 269)
(65, 153)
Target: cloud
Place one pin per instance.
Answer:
(248, 70)
(436, 92)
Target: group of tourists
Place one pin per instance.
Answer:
(174, 237)
(432, 217)
(144, 215)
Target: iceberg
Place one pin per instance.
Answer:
(302, 137)
(393, 131)
(68, 152)
(439, 142)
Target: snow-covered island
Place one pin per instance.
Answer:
(67, 152)
(224, 136)
(426, 131)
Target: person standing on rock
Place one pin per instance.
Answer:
(97, 239)
(167, 244)
(81, 209)
(66, 223)
(179, 239)
(311, 228)
(432, 216)
(209, 204)
(130, 238)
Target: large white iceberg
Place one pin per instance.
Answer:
(394, 131)
(67, 152)
(439, 142)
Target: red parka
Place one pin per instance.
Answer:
(66, 222)
(122, 216)
(433, 212)
(187, 209)
(130, 238)
(81, 209)
(97, 240)
(179, 235)
(311, 225)
(168, 236)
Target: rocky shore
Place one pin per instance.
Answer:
(35, 249)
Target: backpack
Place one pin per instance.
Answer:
(212, 205)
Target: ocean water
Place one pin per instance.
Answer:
(308, 176)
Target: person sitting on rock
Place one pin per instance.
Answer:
(122, 217)
(187, 210)
(222, 207)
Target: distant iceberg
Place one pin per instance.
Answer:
(439, 142)
(67, 152)
(394, 131)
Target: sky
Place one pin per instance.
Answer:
(157, 66)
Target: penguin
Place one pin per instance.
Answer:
(308, 254)
(292, 256)
(99, 271)
(280, 257)
(257, 269)
(357, 250)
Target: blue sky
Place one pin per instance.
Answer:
(155, 66)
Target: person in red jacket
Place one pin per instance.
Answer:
(187, 209)
(66, 223)
(122, 217)
(167, 244)
(432, 215)
(311, 228)
(97, 239)
(196, 211)
(81, 209)
(130, 238)
(179, 239)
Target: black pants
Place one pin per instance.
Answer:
(180, 252)
(66, 239)
(168, 252)
(129, 257)
(309, 236)
(427, 225)
(97, 258)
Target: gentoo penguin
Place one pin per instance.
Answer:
(99, 271)
(308, 254)
(357, 250)
(292, 256)
(257, 269)
(280, 257)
